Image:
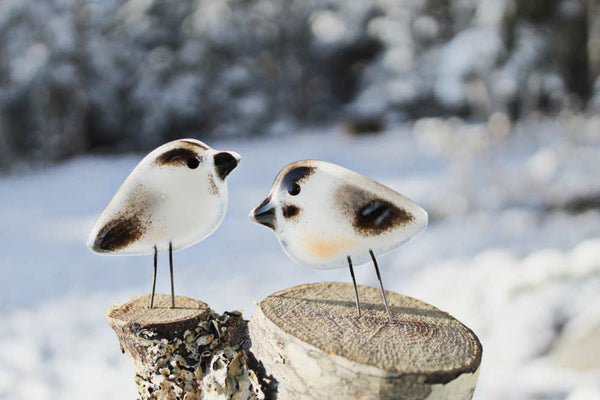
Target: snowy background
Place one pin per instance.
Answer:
(512, 250)
(120, 75)
(483, 111)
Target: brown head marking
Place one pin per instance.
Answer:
(292, 179)
(179, 156)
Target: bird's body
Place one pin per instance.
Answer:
(175, 197)
(338, 214)
(326, 216)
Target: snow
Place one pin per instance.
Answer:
(327, 27)
(501, 253)
(469, 52)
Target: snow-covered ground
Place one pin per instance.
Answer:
(501, 254)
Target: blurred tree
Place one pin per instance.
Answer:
(116, 75)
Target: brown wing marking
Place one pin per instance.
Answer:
(371, 215)
(118, 234)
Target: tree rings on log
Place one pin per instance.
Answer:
(311, 342)
(162, 319)
(185, 353)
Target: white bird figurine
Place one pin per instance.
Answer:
(175, 197)
(326, 217)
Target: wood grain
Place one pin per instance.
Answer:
(167, 321)
(422, 354)
(185, 353)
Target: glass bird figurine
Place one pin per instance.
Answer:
(326, 216)
(175, 197)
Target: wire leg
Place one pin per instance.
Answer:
(355, 288)
(381, 284)
(154, 277)
(171, 269)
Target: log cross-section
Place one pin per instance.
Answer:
(312, 345)
(185, 353)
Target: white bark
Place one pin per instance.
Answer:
(185, 353)
(311, 343)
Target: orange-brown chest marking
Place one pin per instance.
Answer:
(318, 246)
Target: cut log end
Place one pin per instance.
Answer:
(167, 321)
(310, 339)
(185, 353)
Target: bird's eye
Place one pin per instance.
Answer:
(193, 163)
(294, 190)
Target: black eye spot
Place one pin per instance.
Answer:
(290, 182)
(294, 190)
(193, 163)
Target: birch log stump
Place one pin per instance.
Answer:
(185, 353)
(306, 343)
(311, 343)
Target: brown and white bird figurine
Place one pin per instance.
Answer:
(326, 216)
(175, 197)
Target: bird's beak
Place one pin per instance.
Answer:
(225, 162)
(264, 214)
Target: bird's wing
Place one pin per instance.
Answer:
(118, 233)
(372, 213)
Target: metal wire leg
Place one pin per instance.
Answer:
(355, 288)
(171, 269)
(154, 277)
(381, 284)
